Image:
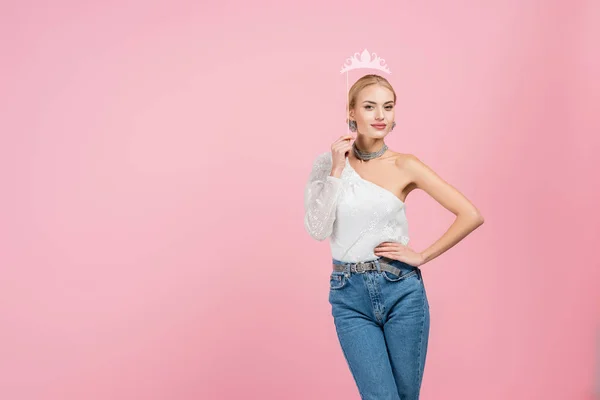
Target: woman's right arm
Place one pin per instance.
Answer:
(321, 195)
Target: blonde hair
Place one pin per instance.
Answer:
(359, 85)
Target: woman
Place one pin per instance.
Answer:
(357, 200)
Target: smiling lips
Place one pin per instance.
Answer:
(379, 126)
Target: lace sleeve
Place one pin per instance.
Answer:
(320, 198)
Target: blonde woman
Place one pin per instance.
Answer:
(356, 196)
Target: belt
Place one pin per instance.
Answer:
(364, 266)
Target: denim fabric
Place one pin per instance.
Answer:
(382, 323)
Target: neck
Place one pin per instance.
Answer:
(368, 145)
(376, 149)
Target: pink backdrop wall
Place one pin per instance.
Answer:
(153, 159)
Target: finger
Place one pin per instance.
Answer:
(342, 143)
(387, 247)
(384, 252)
(391, 244)
(345, 137)
(389, 251)
(341, 147)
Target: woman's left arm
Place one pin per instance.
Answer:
(468, 217)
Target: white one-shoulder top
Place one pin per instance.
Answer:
(355, 214)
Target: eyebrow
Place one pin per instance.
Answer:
(372, 102)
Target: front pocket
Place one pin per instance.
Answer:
(395, 278)
(337, 280)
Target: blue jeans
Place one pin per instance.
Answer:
(382, 323)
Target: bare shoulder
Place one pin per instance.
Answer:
(426, 179)
(404, 162)
(401, 159)
(418, 171)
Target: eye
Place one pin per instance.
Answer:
(389, 108)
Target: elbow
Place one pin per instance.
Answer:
(318, 237)
(474, 217)
(317, 232)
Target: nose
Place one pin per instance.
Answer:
(379, 114)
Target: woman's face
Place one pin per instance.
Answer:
(374, 111)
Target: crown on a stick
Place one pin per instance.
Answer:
(365, 60)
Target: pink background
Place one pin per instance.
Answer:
(153, 161)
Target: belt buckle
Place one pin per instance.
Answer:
(362, 270)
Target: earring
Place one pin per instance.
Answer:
(393, 125)
(352, 125)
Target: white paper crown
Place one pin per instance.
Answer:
(365, 61)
